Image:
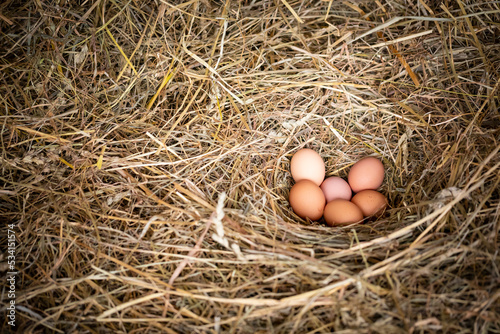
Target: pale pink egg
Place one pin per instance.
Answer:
(336, 188)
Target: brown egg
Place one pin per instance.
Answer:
(367, 173)
(307, 200)
(342, 212)
(307, 164)
(370, 202)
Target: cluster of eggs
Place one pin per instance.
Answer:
(312, 196)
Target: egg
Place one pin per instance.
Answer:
(307, 164)
(335, 187)
(367, 173)
(370, 202)
(307, 200)
(342, 212)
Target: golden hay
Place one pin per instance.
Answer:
(145, 165)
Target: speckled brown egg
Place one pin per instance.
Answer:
(370, 202)
(307, 200)
(367, 173)
(307, 164)
(342, 212)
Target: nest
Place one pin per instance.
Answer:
(145, 165)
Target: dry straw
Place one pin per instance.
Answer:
(145, 162)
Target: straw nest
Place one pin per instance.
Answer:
(145, 165)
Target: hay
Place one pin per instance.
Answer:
(145, 163)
